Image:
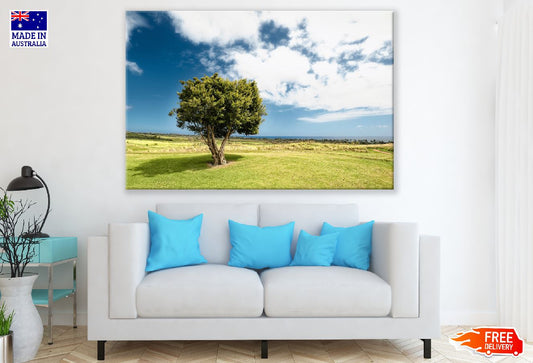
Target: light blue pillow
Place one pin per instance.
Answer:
(354, 245)
(260, 247)
(173, 243)
(315, 250)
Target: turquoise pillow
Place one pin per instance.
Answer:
(173, 243)
(354, 245)
(260, 247)
(315, 250)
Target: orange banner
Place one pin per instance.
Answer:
(489, 341)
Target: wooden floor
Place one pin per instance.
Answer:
(71, 345)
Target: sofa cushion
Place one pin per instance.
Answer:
(200, 291)
(214, 237)
(308, 217)
(315, 250)
(260, 247)
(354, 245)
(324, 291)
(173, 243)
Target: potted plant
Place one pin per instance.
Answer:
(6, 335)
(17, 244)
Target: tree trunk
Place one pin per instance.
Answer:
(221, 159)
(221, 152)
(212, 150)
(217, 153)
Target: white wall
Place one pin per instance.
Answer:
(62, 112)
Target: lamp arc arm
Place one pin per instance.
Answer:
(48, 196)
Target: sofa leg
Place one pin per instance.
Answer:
(264, 349)
(427, 348)
(101, 350)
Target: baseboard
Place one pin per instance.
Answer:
(474, 318)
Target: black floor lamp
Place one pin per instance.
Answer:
(27, 180)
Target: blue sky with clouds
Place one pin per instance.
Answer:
(320, 74)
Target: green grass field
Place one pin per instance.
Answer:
(183, 162)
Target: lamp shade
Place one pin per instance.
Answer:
(24, 183)
(27, 180)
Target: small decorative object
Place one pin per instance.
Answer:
(18, 238)
(27, 180)
(6, 335)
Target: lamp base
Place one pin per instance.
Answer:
(35, 235)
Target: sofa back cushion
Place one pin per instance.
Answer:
(308, 217)
(214, 240)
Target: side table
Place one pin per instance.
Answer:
(49, 253)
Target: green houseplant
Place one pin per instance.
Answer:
(5, 320)
(18, 241)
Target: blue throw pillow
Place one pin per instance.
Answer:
(315, 250)
(354, 245)
(173, 243)
(260, 247)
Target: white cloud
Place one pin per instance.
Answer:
(287, 19)
(347, 115)
(325, 70)
(275, 71)
(134, 20)
(284, 78)
(330, 33)
(219, 27)
(324, 65)
(133, 68)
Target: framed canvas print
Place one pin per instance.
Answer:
(259, 100)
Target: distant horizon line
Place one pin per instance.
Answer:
(354, 137)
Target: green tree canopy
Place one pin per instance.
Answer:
(214, 107)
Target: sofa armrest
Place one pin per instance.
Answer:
(97, 285)
(430, 283)
(129, 245)
(395, 258)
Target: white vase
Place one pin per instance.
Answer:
(27, 326)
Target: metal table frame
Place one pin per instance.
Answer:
(50, 266)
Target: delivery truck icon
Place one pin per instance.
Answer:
(489, 341)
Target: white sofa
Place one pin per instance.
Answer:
(397, 298)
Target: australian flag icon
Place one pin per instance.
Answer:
(29, 20)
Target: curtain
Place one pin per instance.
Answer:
(514, 168)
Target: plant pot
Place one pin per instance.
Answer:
(6, 348)
(27, 326)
